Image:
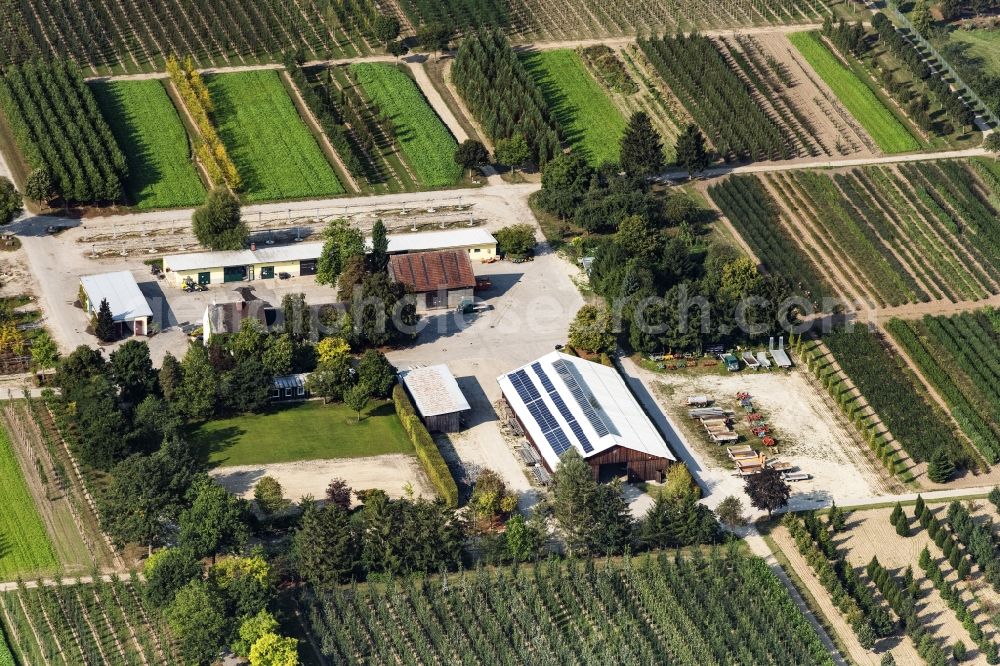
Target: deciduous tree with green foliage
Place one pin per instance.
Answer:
(471, 154)
(274, 650)
(11, 204)
(385, 28)
(218, 224)
(200, 388)
(197, 619)
(512, 151)
(269, 495)
(132, 371)
(38, 187)
(377, 373)
(331, 379)
(44, 352)
(434, 36)
(641, 149)
(591, 329)
(215, 522)
(167, 571)
(730, 511)
(340, 243)
(516, 239)
(357, 397)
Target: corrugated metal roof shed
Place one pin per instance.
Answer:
(432, 271)
(434, 390)
(122, 292)
(437, 240)
(262, 255)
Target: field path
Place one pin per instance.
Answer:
(436, 101)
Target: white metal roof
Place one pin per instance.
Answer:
(120, 288)
(437, 240)
(567, 401)
(262, 255)
(434, 390)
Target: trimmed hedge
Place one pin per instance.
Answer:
(427, 451)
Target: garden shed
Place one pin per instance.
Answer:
(563, 402)
(129, 309)
(437, 397)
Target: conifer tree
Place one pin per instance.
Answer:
(941, 467)
(104, 323)
(641, 148)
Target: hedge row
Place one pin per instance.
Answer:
(427, 451)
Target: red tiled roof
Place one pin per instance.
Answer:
(431, 271)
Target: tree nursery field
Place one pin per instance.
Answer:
(161, 173)
(100, 623)
(880, 235)
(275, 154)
(960, 357)
(723, 608)
(590, 121)
(428, 145)
(890, 134)
(25, 548)
(913, 580)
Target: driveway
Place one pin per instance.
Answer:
(527, 313)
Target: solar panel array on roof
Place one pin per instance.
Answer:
(582, 397)
(539, 411)
(561, 406)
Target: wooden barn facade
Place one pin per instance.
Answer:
(562, 402)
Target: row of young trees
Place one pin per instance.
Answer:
(462, 14)
(209, 149)
(61, 133)
(717, 99)
(502, 96)
(933, 76)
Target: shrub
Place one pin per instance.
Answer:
(427, 450)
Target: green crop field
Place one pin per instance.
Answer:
(275, 154)
(890, 134)
(427, 144)
(149, 131)
(306, 431)
(591, 122)
(24, 546)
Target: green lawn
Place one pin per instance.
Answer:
(304, 431)
(275, 154)
(24, 545)
(427, 144)
(984, 44)
(887, 131)
(149, 131)
(591, 122)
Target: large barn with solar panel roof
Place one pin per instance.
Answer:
(563, 402)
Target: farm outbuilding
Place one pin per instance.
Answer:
(257, 263)
(437, 397)
(224, 318)
(478, 243)
(129, 309)
(439, 279)
(563, 402)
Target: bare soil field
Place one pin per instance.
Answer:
(395, 474)
(811, 435)
(869, 533)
